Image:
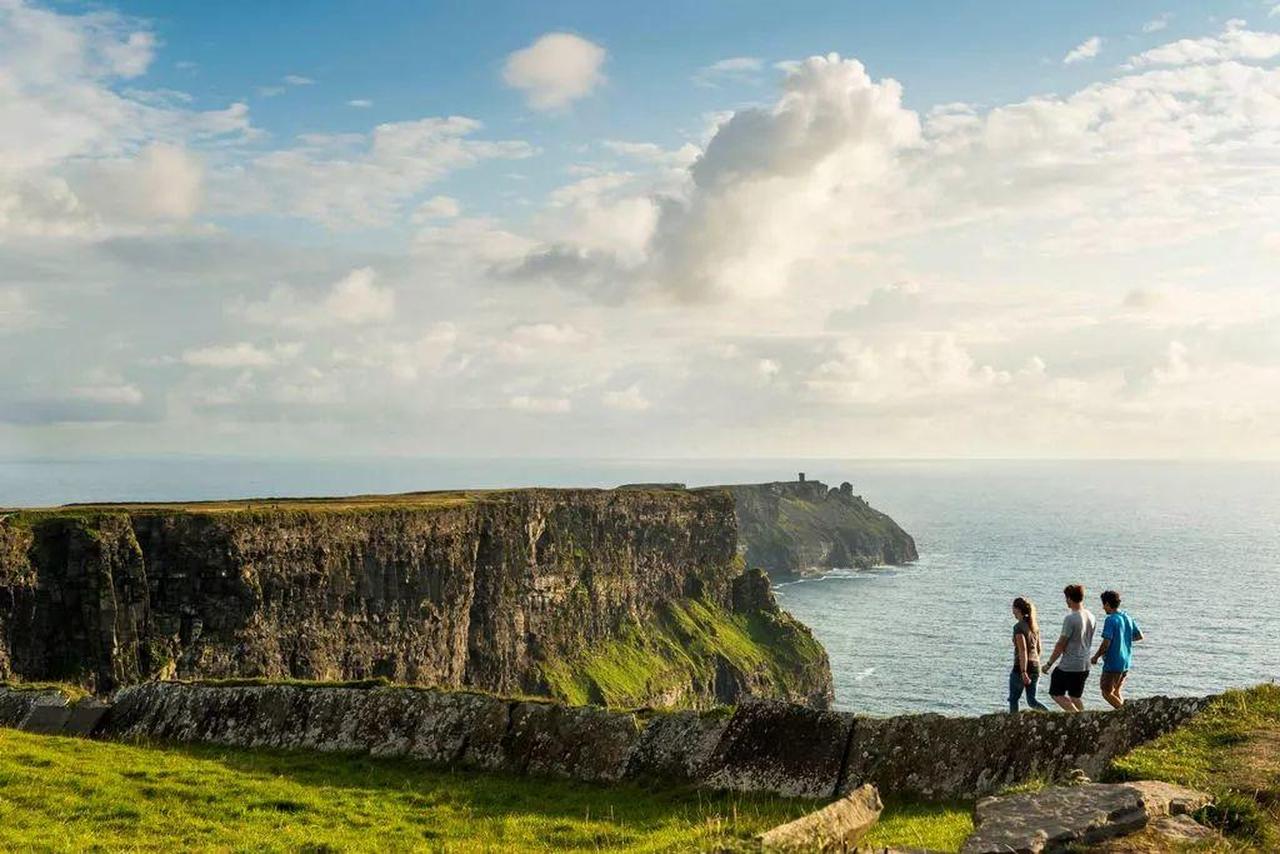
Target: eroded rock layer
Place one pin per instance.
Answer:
(516, 592)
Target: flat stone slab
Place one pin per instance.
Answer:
(836, 827)
(1054, 819)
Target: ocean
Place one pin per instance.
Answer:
(1193, 547)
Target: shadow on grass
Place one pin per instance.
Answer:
(494, 794)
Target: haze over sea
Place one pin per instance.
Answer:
(1194, 547)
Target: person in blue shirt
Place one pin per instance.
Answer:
(1116, 650)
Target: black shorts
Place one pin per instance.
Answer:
(1068, 682)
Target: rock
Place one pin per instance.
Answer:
(1181, 829)
(933, 756)
(483, 590)
(836, 827)
(48, 715)
(85, 716)
(774, 747)
(1054, 819)
(580, 743)
(675, 746)
(16, 703)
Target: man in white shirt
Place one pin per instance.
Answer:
(1066, 684)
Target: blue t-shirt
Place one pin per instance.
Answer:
(1120, 629)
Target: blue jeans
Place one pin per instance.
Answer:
(1016, 688)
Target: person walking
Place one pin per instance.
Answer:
(1119, 632)
(1026, 656)
(1066, 684)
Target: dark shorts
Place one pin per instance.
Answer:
(1068, 682)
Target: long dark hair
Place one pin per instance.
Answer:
(1027, 609)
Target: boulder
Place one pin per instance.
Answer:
(48, 715)
(576, 742)
(1057, 818)
(775, 747)
(836, 827)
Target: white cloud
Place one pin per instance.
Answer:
(298, 80)
(240, 355)
(1236, 41)
(630, 399)
(545, 405)
(71, 127)
(360, 103)
(437, 207)
(361, 180)
(353, 300)
(1087, 49)
(556, 70)
(162, 183)
(760, 197)
(1156, 24)
(740, 69)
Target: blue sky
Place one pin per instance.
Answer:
(591, 229)
(446, 58)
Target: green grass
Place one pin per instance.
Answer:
(681, 646)
(67, 689)
(941, 827)
(1232, 750)
(67, 794)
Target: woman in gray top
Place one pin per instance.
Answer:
(1026, 656)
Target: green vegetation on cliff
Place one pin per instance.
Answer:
(696, 642)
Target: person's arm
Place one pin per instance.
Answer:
(1102, 649)
(1020, 654)
(1058, 649)
(1137, 632)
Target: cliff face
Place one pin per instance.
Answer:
(501, 591)
(789, 528)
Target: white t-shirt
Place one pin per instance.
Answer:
(1077, 628)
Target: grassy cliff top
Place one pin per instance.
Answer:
(434, 500)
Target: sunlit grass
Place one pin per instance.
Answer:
(73, 795)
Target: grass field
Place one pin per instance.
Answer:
(65, 794)
(1232, 749)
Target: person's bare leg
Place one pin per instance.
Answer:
(1067, 704)
(1078, 702)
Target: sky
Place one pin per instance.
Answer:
(723, 229)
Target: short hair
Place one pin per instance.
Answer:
(1074, 592)
(1111, 598)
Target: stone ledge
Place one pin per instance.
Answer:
(836, 827)
(1058, 818)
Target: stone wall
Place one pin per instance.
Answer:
(484, 590)
(759, 746)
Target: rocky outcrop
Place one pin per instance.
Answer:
(761, 746)
(1063, 818)
(518, 592)
(798, 527)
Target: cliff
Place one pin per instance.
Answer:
(790, 528)
(622, 597)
